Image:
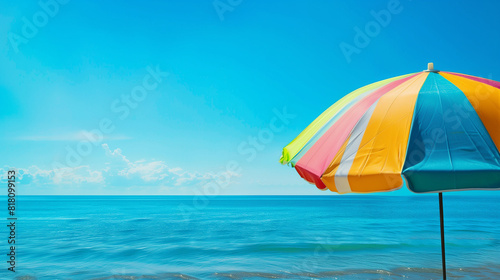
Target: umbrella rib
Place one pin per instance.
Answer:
(484, 141)
(474, 143)
(372, 140)
(476, 128)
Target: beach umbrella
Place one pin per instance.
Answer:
(437, 131)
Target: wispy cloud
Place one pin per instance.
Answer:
(119, 171)
(34, 175)
(149, 172)
(81, 135)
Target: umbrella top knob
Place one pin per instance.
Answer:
(430, 68)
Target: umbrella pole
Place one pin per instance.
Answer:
(442, 233)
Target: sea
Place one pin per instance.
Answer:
(253, 237)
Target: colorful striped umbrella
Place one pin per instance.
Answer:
(439, 131)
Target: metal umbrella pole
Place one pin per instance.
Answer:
(442, 234)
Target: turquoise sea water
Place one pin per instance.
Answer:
(236, 237)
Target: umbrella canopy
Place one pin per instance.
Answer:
(439, 131)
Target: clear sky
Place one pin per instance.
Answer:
(199, 97)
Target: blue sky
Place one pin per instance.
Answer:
(229, 83)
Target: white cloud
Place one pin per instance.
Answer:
(82, 135)
(119, 172)
(150, 172)
(67, 175)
